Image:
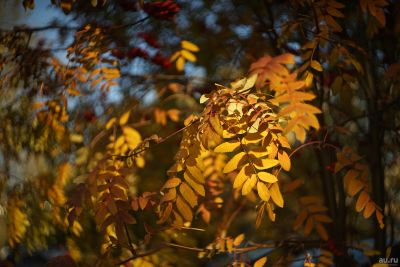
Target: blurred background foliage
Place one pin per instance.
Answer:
(67, 68)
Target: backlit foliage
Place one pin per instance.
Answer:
(117, 151)
(356, 183)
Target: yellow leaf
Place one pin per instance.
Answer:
(241, 177)
(173, 182)
(316, 65)
(110, 123)
(249, 184)
(267, 177)
(175, 56)
(249, 83)
(188, 56)
(233, 163)
(180, 64)
(229, 245)
(216, 124)
(196, 173)
(270, 211)
(184, 209)
(76, 138)
(37, 105)
(124, 118)
(168, 196)
(263, 191)
(73, 92)
(110, 73)
(276, 194)
(132, 136)
(284, 160)
(188, 194)
(261, 262)
(238, 240)
(226, 147)
(173, 114)
(119, 142)
(309, 79)
(189, 46)
(203, 99)
(266, 163)
(197, 187)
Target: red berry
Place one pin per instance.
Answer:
(89, 116)
(118, 53)
(137, 52)
(149, 40)
(165, 10)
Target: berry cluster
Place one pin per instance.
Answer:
(148, 39)
(136, 52)
(164, 10)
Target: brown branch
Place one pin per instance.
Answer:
(161, 246)
(69, 28)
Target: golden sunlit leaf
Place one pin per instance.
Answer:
(76, 138)
(263, 191)
(249, 184)
(124, 118)
(188, 56)
(180, 64)
(241, 177)
(284, 160)
(266, 164)
(226, 147)
(173, 182)
(267, 177)
(196, 186)
(233, 163)
(188, 194)
(276, 194)
(184, 209)
(238, 240)
(203, 99)
(260, 262)
(189, 46)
